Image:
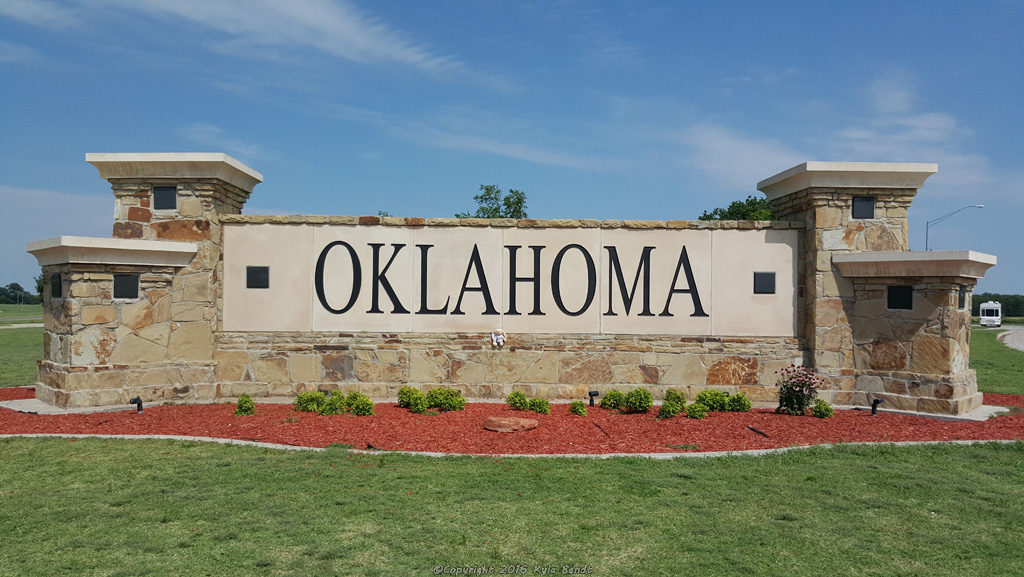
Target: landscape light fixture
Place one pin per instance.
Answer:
(874, 406)
(929, 224)
(592, 395)
(137, 401)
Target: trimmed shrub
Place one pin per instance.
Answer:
(675, 396)
(359, 404)
(638, 401)
(518, 401)
(445, 399)
(333, 405)
(612, 400)
(416, 402)
(541, 406)
(739, 403)
(406, 395)
(798, 386)
(578, 408)
(245, 406)
(696, 411)
(821, 409)
(670, 409)
(309, 402)
(714, 400)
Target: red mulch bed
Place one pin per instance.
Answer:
(601, 431)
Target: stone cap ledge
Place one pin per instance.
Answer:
(932, 263)
(509, 222)
(218, 165)
(95, 250)
(815, 174)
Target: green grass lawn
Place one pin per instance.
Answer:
(101, 507)
(19, 350)
(8, 313)
(1000, 368)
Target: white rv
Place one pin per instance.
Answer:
(991, 314)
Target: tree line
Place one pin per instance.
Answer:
(14, 293)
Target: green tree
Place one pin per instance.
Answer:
(493, 203)
(39, 286)
(753, 208)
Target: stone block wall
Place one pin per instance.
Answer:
(99, 350)
(825, 214)
(551, 366)
(915, 360)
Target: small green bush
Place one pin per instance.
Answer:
(578, 408)
(541, 406)
(245, 406)
(670, 409)
(821, 409)
(798, 386)
(675, 396)
(638, 401)
(714, 400)
(416, 401)
(612, 400)
(333, 405)
(406, 395)
(518, 401)
(309, 402)
(445, 399)
(739, 403)
(359, 404)
(696, 411)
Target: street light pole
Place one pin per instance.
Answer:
(929, 224)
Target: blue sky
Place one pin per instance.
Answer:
(646, 110)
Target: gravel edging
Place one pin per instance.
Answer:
(656, 456)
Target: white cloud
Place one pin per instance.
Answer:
(891, 93)
(732, 159)
(216, 137)
(332, 27)
(39, 13)
(33, 214)
(15, 52)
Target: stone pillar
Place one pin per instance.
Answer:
(206, 186)
(820, 196)
(914, 355)
(100, 347)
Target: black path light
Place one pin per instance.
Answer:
(592, 394)
(874, 406)
(137, 401)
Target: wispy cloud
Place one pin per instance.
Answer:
(39, 13)
(271, 28)
(216, 137)
(732, 158)
(891, 93)
(16, 52)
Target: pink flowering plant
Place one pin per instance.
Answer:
(798, 386)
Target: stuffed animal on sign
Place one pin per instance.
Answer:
(497, 338)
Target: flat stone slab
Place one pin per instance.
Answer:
(509, 424)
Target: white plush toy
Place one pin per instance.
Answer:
(498, 338)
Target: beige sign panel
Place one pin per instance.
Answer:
(467, 279)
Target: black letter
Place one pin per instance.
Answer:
(514, 280)
(357, 277)
(684, 263)
(380, 279)
(627, 297)
(424, 309)
(556, 290)
(474, 262)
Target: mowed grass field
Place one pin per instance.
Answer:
(15, 314)
(1000, 369)
(119, 508)
(19, 350)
